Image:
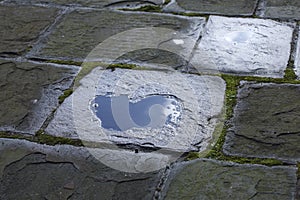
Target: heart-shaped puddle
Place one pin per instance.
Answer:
(120, 113)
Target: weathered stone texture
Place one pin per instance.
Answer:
(82, 30)
(29, 93)
(21, 26)
(266, 122)
(224, 7)
(209, 179)
(33, 171)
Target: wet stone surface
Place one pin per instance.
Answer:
(33, 171)
(266, 122)
(287, 9)
(297, 59)
(156, 58)
(244, 46)
(202, 97)
(93, 3)
(81, 31)
(224, 7)
(222, 180)
(21, 26)
(29, 92)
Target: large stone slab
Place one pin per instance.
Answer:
(21, 26)
(29, 93)
(209, 179)
(223, 7)
(202, 98)
(117, 33)
(33, 171)
(266, 122)
(244, 46)
(92, 3)
(288, 9)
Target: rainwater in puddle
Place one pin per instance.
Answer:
(120, 113)
(238, 37)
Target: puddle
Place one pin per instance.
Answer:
(120, 113)
(238, 37)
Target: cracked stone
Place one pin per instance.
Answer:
(30, 93)
(21, 26)
(113, 31)
(93, 3)
(287, 9)
(266, 122)
(200, 179)
(244, 46)
(223, 7)
(44, 171)
(202, 97)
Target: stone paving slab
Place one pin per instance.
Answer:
(288, 9)
(92, 3)
(223, 7)
(30, 93)
(209, 179)
(82, 30)
(202, 97)
(266, 122)
(244, 46)
(21, 26)
(33, 171)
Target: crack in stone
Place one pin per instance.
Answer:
(287, 133)
(258, 141)
(136, 1)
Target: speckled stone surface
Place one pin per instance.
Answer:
(244, 46)
(202, 97)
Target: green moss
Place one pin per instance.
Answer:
(191, 14)
(64, 62)
(232, 84)
(167, 2)
(43, 138)
(298, 171)
(66, 94)
(193, 155)
(289, 74)
(15, 136)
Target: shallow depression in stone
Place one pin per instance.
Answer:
(121, 113)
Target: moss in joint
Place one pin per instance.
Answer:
(167, 2)
(289, 74)
(64, 62)
(43, 138)
(232, 84)
(66, 94)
